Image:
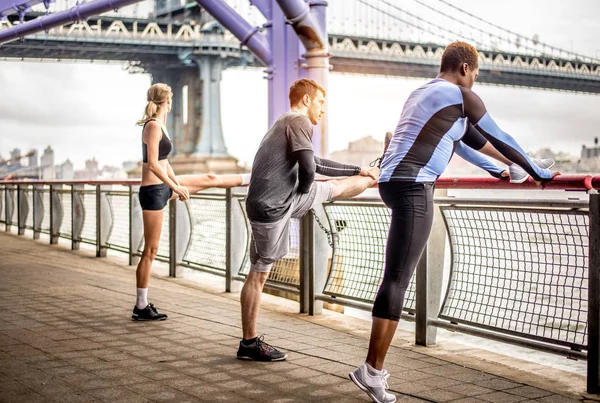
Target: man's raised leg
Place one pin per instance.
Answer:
(352, 185)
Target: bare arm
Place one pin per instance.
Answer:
(171, 174)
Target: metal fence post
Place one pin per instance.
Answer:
(22, 209)
(38, 209)
(136, 226)
(77, 215)
(235, 247)
(320, 261)
(56, 214)
(593, 359)
(421, 302)
(173, 238)
(10, 205)
(306, 261)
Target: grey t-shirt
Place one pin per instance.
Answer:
(275, 169)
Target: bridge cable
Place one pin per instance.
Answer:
(444, 37)
(489, 33)
(577, 55)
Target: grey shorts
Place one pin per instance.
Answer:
(270, 240)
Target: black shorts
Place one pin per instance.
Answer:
(155, 197)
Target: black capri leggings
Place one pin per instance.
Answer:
(412, 217)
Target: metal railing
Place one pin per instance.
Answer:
(524, 272)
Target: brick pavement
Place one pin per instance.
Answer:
(66, 336)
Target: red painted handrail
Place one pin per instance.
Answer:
(561, 182)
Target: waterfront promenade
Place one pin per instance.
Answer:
(66, 336)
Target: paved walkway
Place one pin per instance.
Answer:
(66, 336)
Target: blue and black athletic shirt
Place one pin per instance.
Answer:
(438, 119)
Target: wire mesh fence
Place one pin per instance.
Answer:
(119, 205)
(208, 237)
(29, 197)
(519, 271)
(2, 204)
(66, 229)
(45, 195)
(356, 268)
(88, 232)
(516, 270)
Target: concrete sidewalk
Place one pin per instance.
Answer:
(66, 336)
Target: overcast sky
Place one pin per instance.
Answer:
(86, 110)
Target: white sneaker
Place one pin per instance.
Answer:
(519, 175)
(375, 386)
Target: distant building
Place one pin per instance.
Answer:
(590, 152)
(65, 171)
(91, 171)
(360, 152)
(109, 172)
(32, 159)
(47, 164)
(15, 158)
(129, 165)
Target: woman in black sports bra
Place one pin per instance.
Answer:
(159, 185)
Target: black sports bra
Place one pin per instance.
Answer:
(164, 147)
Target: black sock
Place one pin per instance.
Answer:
(249, 341)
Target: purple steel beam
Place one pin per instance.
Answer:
(304, 22)
(78, 13)
(248, 35)
(264, 6)
(8, 7)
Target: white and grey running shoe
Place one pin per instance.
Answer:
(375, 386)
(519, 175)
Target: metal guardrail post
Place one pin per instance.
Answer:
(421, 302)
(593, 359)
(104, 220)
(10, 205)
(136, 226)
(56, 214)
(173, 238)
(235, 247)
(38, 209)
(99, 251)
(306, 260)
(77, 215)
(430, 275)
(22, 209)
(318, 275)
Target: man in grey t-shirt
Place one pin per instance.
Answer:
(282, 187)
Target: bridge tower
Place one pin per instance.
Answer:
(195, 120)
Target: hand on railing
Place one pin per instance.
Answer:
(181, 192)
(372, 172)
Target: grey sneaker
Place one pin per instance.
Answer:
(386, 144)
(374, 386)
(519, 175)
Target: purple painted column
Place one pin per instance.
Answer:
(317, 61)
(284, 70)
(310, 26)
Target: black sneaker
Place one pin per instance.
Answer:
(386, 144)
(148, 313)
(260, 351)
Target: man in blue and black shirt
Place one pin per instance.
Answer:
(439, 118)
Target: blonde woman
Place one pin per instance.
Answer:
(159, 185)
